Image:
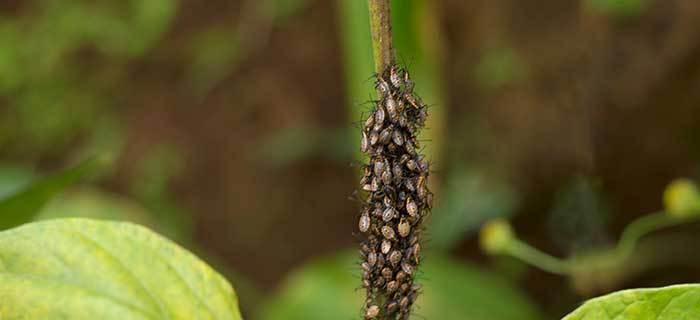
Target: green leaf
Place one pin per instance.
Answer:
(330, 289)
(22, 206)
(87, 269)
(679, 302)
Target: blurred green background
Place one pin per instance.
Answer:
(232, 128)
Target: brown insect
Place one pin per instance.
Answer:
(386, 246)
(398, 172)
(395, 77)
(378, 167)
(364, 223)
(415, 251)
(400, 276)
(392, 307)
(398, 137)
(388, 214)
(392, 108)
(366, 267)
(386, 177)
(403, 304)
(395, 257)
(407, 268)
(404, 228)
(372, 312)
(411, 207)
(379, 117)
(373, 137)
(388, 202)
(372, 259)
(392, 286)
(412, 165)
(387, 273)
(388, 232)
(380, 261)
(379, 282)
(385, 135)
(383, 86)
(364, 143)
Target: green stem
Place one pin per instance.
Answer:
(528, 254)
(624, 249)
(643, 226)
(382, 43)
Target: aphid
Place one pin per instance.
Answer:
(395, 77)
(364, 248)
(383, 86)
(364, 223)
(400, 276)
(404, 158)
(388, 202)
(388, 232)
(395, 257)
(398, 137)
(380, 261)
(374, 186)
(420, 186)
(411, 207)
(423, 164)
(366, 267)
(416, 252)
(413, 101)
(403, 121)
(386, 176)
(373, 137)
(378, 167)
(372, 259)
(392, 307)
(407, 268)
(385, 135)
(387, 273)
(412, 165)
(365, 176)
(365, 275)
(377, 212)
(403, 304)
(372, 312)
(388, 214)
(364, 143)
(398, 172)
(365, 283)
(404, 228)
(369, 122)
(408, 83)
(379, 282)
(386, 246)
(404, 288)
(410, 148)
(391, 108)
(408, 182)
(379, 116)
(392, 286)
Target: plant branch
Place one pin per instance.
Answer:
(382, 43)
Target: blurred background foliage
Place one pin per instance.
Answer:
(231, 127)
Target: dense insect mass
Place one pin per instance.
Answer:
(397, 197)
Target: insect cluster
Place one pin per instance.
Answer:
(398, 198)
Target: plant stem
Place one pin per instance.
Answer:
(525, 252)
(643, 226)
(380, 23)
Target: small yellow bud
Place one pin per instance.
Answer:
(682, 198)
(495, 236)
